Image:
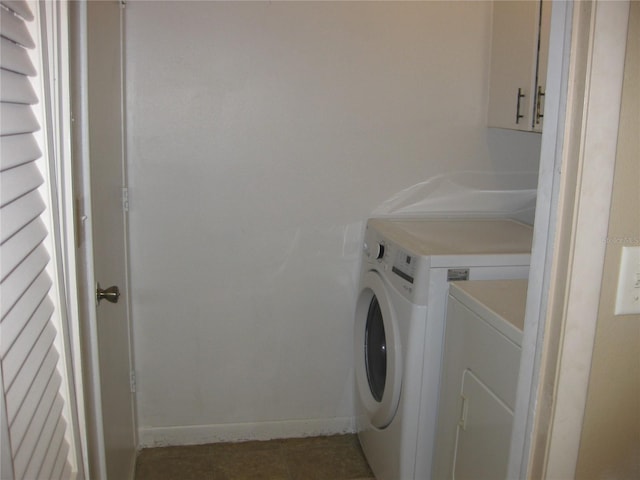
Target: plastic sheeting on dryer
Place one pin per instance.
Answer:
(466, 194)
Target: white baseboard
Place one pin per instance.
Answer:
(236, 432)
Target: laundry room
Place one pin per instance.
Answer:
(229, 222)
(259, 139)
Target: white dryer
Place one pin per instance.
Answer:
(399, 326)
(481, 365)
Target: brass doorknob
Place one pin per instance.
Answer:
(110, 294)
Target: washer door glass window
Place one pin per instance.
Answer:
(378, 362)
(375, 350)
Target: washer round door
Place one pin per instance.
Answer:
(378, 362)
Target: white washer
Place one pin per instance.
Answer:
(481, 363)
(399, 326)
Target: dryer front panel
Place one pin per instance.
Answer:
(378, 351)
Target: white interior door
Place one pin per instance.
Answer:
(111, 417)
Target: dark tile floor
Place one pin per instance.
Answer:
(337, 457)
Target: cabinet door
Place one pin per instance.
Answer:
(543, 56)
(514, 52)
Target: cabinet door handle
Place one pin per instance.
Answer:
(539, 114)
(520, 97)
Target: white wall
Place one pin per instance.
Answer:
(260, 136)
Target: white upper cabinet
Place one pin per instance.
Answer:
(519, 51)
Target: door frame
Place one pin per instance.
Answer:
(589, 159)
(586, 67)
(86, 300)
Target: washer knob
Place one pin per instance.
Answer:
(378, 251)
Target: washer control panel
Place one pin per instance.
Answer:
(401, 267)
(404, 266)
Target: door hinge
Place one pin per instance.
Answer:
(80, 222)
(132, 381)
(125, 199)
(464, 412)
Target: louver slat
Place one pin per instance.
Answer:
(14, 89)
(20, 7)
(14, 28)
(15, 58)
(17, 118)
(16, 150)
(18, 182)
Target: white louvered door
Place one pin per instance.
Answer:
(35, 432)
